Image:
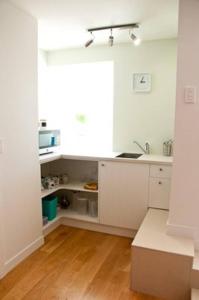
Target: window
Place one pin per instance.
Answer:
(79, 101)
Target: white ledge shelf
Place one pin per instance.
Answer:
(71, 214)
(71, 186)
(153, 235)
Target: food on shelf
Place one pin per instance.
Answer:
(91, 186)
(53, 181)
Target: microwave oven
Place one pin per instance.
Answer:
(49, 141)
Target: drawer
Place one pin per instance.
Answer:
(159, 190)
(161, 171)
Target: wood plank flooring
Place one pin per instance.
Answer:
(74, 264)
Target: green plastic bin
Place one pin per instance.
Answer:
(49, 207)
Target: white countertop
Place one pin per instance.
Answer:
(153, 235)
(145, 158)
(156, 158)
(49, 157)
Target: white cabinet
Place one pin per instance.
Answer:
(159, 189)
(123, 193)
(159, 186)
(160, 171)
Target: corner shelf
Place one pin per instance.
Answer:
(72, 186)
(71, 214)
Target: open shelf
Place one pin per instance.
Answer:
(72, 186)
(79, 173)
(71, 214)
(59, 215)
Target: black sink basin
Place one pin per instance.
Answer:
(129, 155)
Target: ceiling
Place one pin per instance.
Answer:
(63, 23)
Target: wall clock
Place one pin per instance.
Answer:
(141, 82)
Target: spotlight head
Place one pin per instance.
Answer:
(135, 39)
(89, 42)
(137, 42)
(111, 40)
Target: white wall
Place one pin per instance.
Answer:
(184, 203)
(20, 184)
(42, 84)
(142, 117)
(2, 236)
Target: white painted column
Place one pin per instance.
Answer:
(184, 202)
(19, 165)
(2, 239)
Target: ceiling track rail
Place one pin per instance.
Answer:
(121, 26)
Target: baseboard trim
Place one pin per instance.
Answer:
(52, 227)
(98, 227)
(15, 260)
(184, 231)
(180, 230)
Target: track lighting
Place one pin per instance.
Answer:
(89, 42)
(130, 26)
(136, 40)
(111, 39)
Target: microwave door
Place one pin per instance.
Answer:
(45, 140)
(48, 141)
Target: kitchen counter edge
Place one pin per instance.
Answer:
(148, 159)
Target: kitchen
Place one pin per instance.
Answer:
(142, 117)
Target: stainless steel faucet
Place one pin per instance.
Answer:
(147, 147)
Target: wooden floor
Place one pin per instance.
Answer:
(74, 264)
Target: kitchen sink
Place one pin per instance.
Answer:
(129, 155)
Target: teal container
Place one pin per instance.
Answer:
(49, 207)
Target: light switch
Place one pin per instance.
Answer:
(190, 94)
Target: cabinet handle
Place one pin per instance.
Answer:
(160, 182)
(161, 169)
(103, 165)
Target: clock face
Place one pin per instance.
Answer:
(142, 82)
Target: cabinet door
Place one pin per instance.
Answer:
(159, 189)
(123, 193)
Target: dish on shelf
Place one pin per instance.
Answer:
(91, 186)
(72, 186)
